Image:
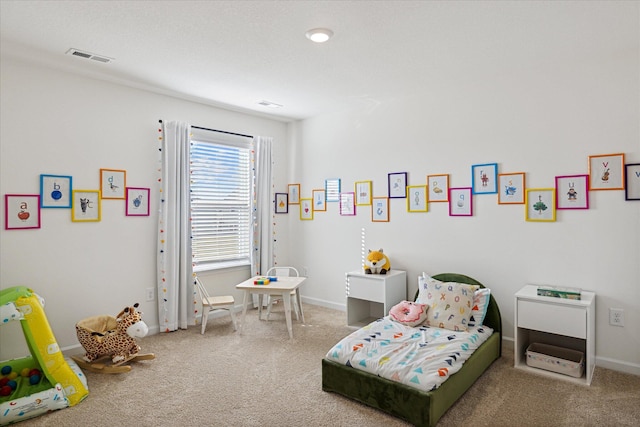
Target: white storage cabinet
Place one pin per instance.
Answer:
(371, 296)
(555, 321)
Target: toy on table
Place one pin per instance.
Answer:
(377, 263)
(107, 336)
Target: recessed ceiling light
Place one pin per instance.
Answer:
(319, 35)
(269, 104)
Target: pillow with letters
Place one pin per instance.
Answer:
(450, 303)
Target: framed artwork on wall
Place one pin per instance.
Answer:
(55, 191)
(282, 203)
(86, 206)
(397, 182)
(484, 178)
(511, 188)
(363, 193)
(113, 183)
(572, 192)
(438, 187)
(332, 189)
(417, 198)
(606, 172)
(294, 194)
(347, 204)
(461, 201)
(306, 209)
(632, 181)
(319, 200)
(21, 211)
(540, 204)
(380, 209)
(137, 201)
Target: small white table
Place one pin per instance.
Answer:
(283, 286)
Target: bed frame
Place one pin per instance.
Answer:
(418, 407)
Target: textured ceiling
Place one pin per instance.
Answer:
(237, 53)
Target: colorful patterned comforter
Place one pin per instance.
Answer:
(422, 357)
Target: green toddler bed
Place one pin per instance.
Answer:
(418, 407)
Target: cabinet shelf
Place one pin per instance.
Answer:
(556, 321)
(371, 296)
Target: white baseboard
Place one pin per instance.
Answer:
(618, 365)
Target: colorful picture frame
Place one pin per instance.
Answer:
(572, 192)
(438, 188)
(363, 193)
(417, 198)
(86, 206)
(332, 189)
(55, 191)
(632, 181)
(461, 201)
(380, 209)
(281, 203)
(347, 204)
(397, 185)
(484, 178)
(319, 197)
(606, 172)
(540, 204)
(113, 183)
(512, 186)
(138, 202)
(294, 194)
(21, 211)
(306, 209)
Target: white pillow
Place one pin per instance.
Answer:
(449, 303)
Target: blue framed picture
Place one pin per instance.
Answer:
(332, 189)
(484, 178)
(55, 191)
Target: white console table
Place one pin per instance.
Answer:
(556, 321)
(371, 296)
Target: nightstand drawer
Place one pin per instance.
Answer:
(367, 289)
(553, 318)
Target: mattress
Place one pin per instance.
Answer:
(422, 357)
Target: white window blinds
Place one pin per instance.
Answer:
(221, 182)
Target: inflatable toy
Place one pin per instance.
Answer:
(43, 381)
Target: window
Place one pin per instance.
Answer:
(221, 182)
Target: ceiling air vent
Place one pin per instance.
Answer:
(87, 55)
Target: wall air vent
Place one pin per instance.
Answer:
(87, 55)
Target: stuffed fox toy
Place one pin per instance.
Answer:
(377, 263)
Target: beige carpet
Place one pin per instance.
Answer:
(264, 379)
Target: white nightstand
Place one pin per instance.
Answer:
(556, 321)
(371, 296)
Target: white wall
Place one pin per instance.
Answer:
(544, 121)
(54, 122)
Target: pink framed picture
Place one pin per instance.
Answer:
(348, 204)
(21, 211)
(572, 192)
(137, 201)
(460, 201)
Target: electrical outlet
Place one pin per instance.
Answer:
(616, 316)
(151, 295)
(305, 271)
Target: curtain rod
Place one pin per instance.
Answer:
(216, 130)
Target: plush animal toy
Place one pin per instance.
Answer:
(108, 336)
(377, 263)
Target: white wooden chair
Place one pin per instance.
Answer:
(211, 304)
(283, 272)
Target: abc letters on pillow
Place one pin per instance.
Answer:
(450, 303)
(409, 313)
